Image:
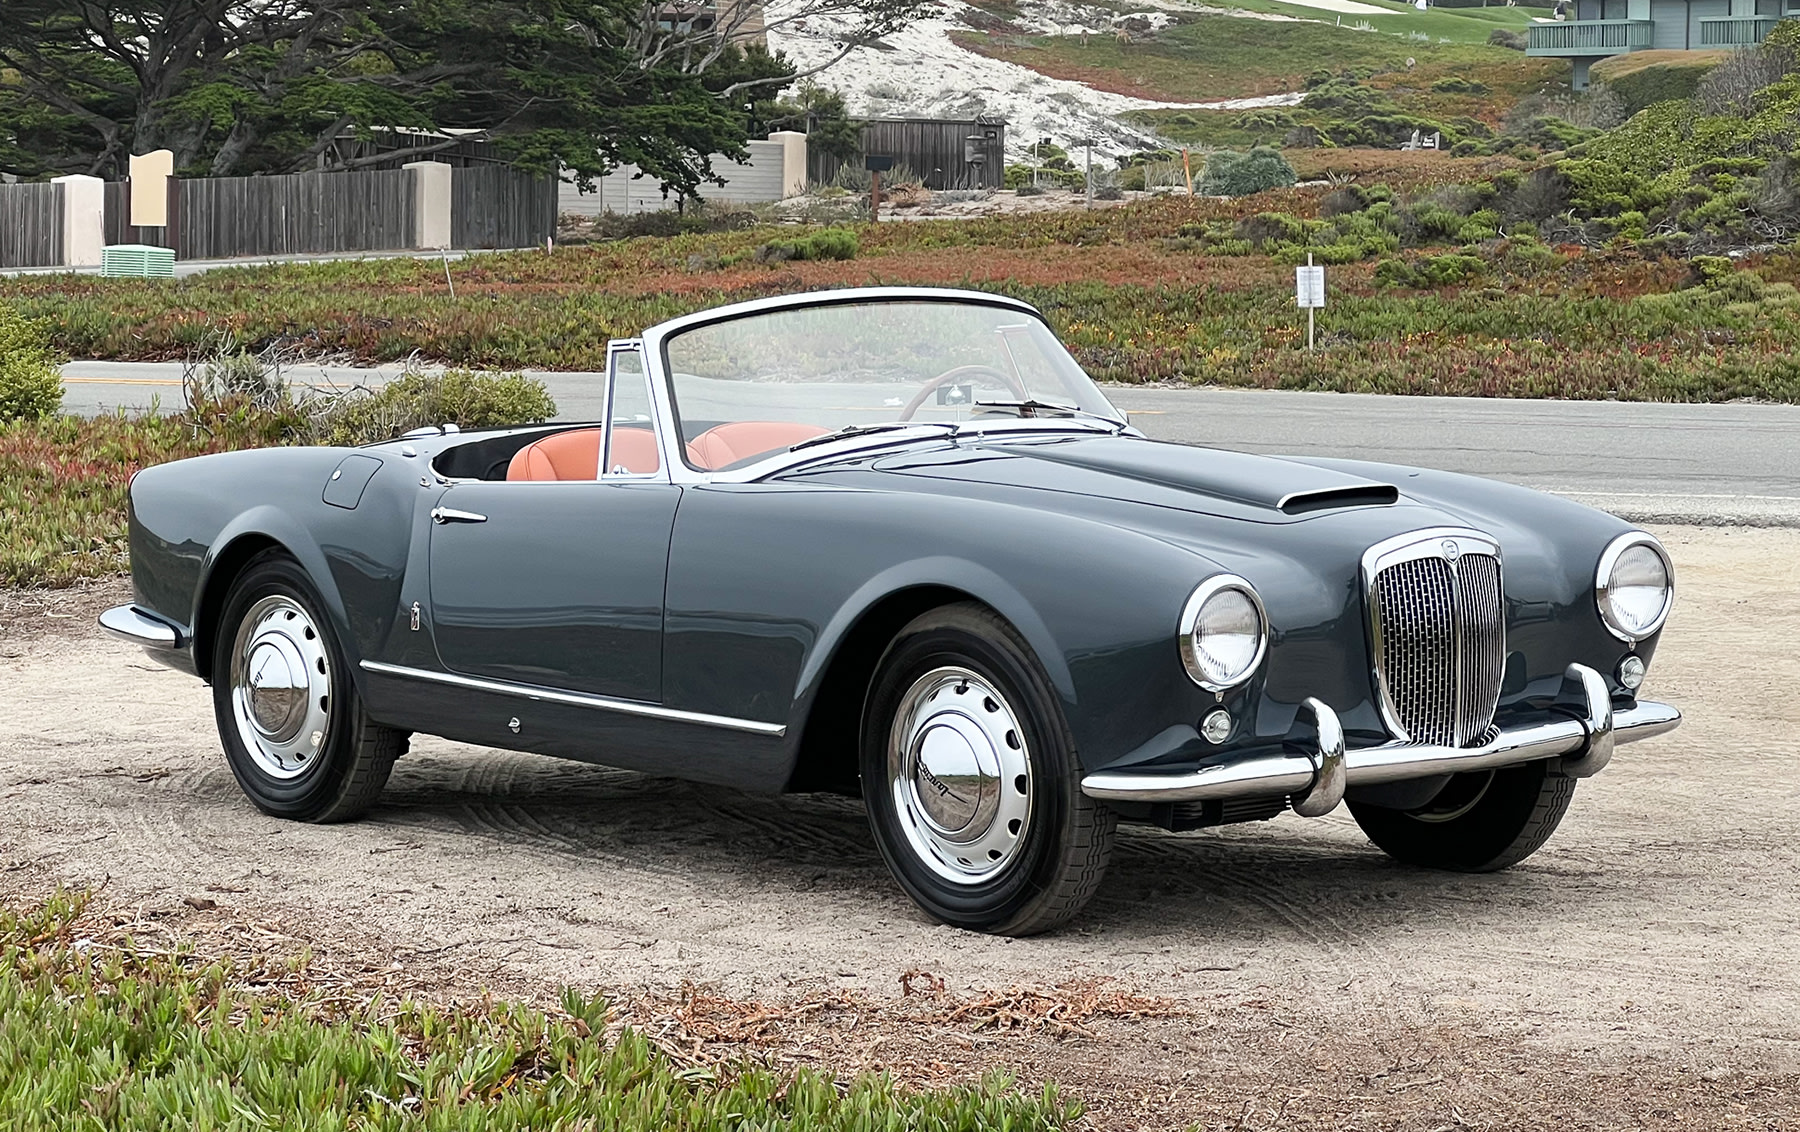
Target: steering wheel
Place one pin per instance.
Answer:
(945, 378)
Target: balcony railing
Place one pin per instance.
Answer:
(1590, 37)
(1738, 31)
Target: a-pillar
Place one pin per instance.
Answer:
(84, 220)
(431, 203)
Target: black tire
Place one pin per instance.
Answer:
(1057, 859)
(340, 778)
(1479, 823)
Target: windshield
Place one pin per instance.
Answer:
(748, 387)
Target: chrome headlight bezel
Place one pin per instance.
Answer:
(1191, 614)
(1603, 585)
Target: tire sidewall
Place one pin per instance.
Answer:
(994, 903)
(1481, 839)
(312, 792)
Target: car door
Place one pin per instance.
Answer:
(559, 583)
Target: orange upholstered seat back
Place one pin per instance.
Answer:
(575, 455)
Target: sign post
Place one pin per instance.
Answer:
(876, 164)
(1309, 292)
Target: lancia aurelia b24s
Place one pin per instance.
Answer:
(895, 541)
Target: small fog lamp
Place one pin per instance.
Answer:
(1216, 727)
(1631, 672)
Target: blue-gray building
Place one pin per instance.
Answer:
(1614, 27)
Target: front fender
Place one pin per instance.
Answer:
(977, 581)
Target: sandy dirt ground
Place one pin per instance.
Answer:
(1640, 971)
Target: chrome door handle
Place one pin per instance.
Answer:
(441, 515)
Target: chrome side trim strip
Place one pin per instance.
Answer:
(578, 699)
(129, 623)
(1391, 762)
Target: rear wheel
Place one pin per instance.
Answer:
(971, 780)
(290, 719)
(1480, 822)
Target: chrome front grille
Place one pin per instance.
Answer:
(1438, 631)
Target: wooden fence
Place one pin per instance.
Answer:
(31, 225)
(942, 153)
(304, 214)
(310, 213)
(492, 206)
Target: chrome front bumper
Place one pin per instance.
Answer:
(1316, 780)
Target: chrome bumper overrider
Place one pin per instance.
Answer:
(1318, 778)
(129, 623)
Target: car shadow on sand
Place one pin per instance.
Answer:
(1316, 879)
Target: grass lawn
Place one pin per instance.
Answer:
(102, 1033)
(1457, 25)
(1206, 58)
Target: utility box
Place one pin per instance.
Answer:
(137, 261)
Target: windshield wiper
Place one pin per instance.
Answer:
(1030, 406)
(849, 431)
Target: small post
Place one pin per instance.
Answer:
(1187, 170)
(1089, 184)
(876, 164)
(1309, 311)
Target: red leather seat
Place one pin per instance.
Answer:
(728, 443)
(575, 455)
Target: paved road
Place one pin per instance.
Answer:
(1673, 463)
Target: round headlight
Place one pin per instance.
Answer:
(1223, 633)
(1635, 586)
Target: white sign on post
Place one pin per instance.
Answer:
(1309, 293)
(1309, 287)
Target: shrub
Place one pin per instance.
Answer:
(1456, 84)
(1338, 202)
(1644, 87)
(827, 243)
(30, 386)
(1430, 271)
(1109, 192)
(1516, 40)
(1271, 228)
(1240, 174)
(414, 400)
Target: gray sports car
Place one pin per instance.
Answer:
(896, 542)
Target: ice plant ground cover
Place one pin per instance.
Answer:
(101, 1030)
(1425, 299)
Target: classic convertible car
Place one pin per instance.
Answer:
(895, 541)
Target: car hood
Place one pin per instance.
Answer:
(1132, 469)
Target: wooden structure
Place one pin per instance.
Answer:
(944, 153)
(31, 225)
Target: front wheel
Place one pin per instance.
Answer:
(289, 716)
(1479, 822)
(971, 781)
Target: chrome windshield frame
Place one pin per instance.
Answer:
(655, 354)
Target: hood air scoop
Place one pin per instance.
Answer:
(1329, 498)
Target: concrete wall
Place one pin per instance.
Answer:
(776, 170)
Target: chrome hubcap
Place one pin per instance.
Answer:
(960, 775)
(281, 687)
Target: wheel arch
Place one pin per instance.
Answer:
(835, 681)
(256, 531)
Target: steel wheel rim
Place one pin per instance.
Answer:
(1468, 795)
(960, 776)
(281, 687)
